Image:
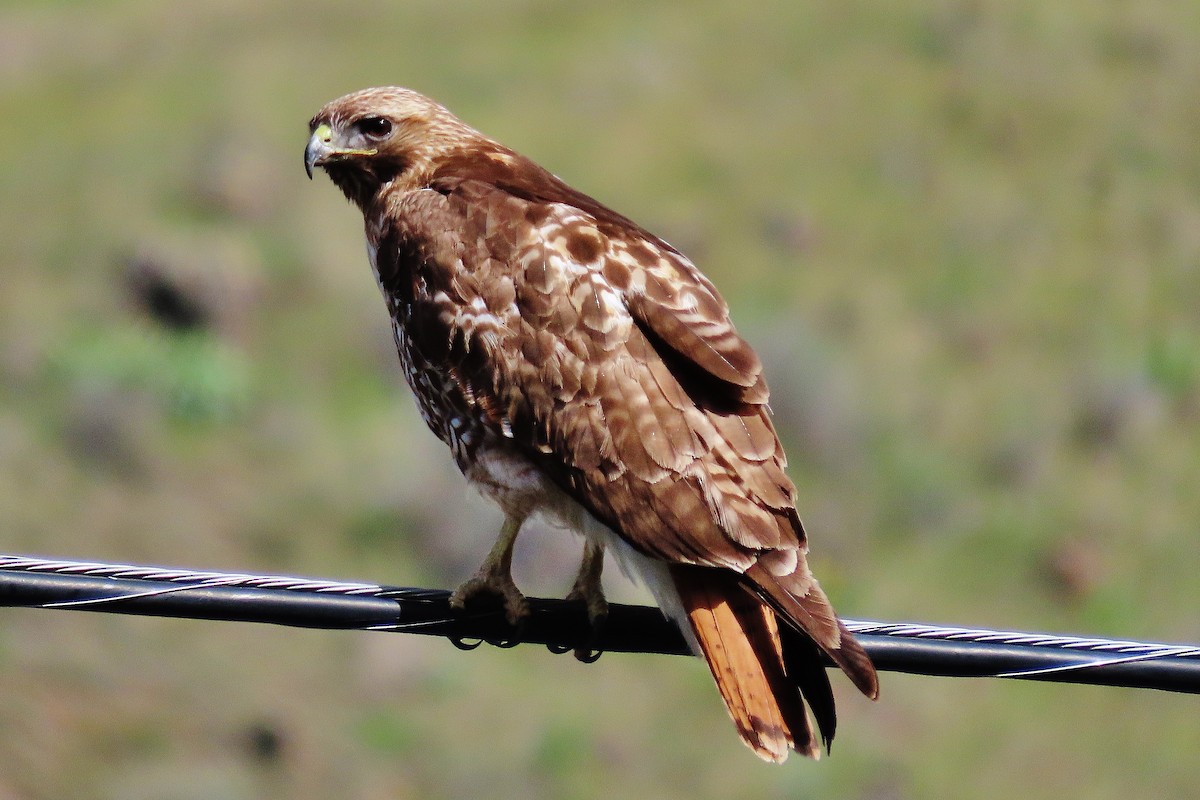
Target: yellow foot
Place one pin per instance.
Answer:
(495, 584)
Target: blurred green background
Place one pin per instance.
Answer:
(965, 237)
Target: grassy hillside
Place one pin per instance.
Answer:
(964, 236)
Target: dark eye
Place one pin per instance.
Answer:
(375, 127)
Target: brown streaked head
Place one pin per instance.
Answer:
(376, 136)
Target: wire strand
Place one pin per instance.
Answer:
(562, 626)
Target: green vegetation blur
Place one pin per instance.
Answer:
(965, 236)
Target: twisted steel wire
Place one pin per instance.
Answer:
(918, 648)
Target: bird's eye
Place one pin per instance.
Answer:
(375, 127)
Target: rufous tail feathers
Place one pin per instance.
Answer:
(764, 670)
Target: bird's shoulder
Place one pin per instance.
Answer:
(492, 215)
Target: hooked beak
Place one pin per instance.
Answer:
(321, 150)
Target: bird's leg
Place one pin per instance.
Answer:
(589, 590)
(494, 576)
(588, 587)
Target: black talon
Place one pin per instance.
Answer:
(589, 656)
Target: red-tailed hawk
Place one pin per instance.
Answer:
(580, 367)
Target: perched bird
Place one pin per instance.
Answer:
(580, 367)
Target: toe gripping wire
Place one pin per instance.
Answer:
(562, 626)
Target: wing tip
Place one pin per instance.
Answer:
(808, 610)
(857, 664)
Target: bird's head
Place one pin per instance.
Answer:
(376, 137)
